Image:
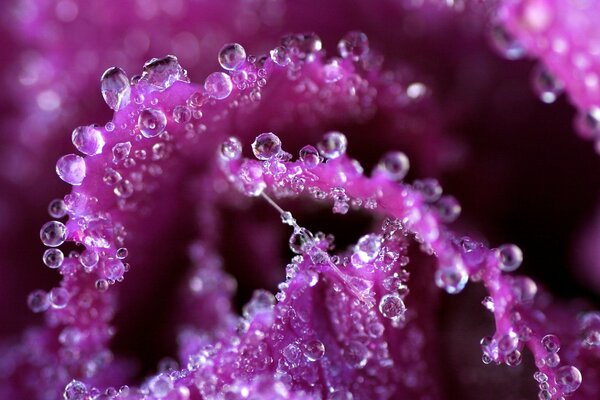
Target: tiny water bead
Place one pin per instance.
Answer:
(266, 146)
(231, 149)
(75, 390)
(391, 306)
(53, 258)
(122, 253)
(37, 301)
(163, 72)
(59, 297)
(354, 45)
(509, 257)
(232, 56)
(309, 156)
(545, 85)
(568, 378)
(394, 165)
(88, 140)
(152, 122)
(53, 233)
(333, 145)
(71, 169)
(218, 85)
(314, 350)
(115, 88)
(57, 208)
(551, 343)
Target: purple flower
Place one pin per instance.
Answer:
(205, 182)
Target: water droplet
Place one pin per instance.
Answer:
(287, 218)
(356, 354)
(280, 56)
(506, 44)
(37, 301)
(551, 343)
(448, 209)
(57, 208)
(394, 165)
(182, 114)
(121, 151)
(111, 177)
(231, 149)
(232, 56)
(514, 359)
(429, 188)
(524, 289)
(488, 303)
(261, 301)
(59, 297)
(333, 145)
(115, 88)
(88, 140)
(53, 258)
(161, 385)
(113, 269)
(509, 257)
(75, 390)
(123, 189)
(266, 146)
(588, 123)
(568, 378)
(301, 240)
(53, 233)
(292, 353)
(218, 85)
(89, 258)
(332, 71)
(452, 276)
(546, 86)
(391, 306)
(367, 248)
(163, 72)
(71, 169)
(354, 45)
(314, 350)
(152, 122)
(508, 343)
(309, 156)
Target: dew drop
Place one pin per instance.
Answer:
(280, 56)
(391, 306)
(163, 72)
(448, 209)
(57, 208)
(37, 301)
(332, 71)
(301, 240)
(452, 277)
(232, 56)
(551, 343)
(88, 140)
(545, 85)
(161, 385)
(218, 85)
(309, 156)
(53, 258)
(89, 258)
(75, 390)
(506, 44)
(354, 45)
(182, 114)
(152, 122)
(356, 354)
(121, 151)
(71, 169)
(59, 297)
(266, 146)
(53, 233)
(113, 269)
(314, 350)
(367, 248)
(231, 149)
(568, 378)
(509, 257)
(333, 145)
(394, 165)
(115, 88)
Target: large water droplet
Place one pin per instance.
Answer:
(394, 165)
(113, 269)
(75, 390)
(218, 85)
(309, 156)
(71, 169)
(115, 88)
(314, 350)
(354, 45)
(509, 257)
(391, 306)
(88, 140)
(152, 122)
(568, 378)
(231, 149)
(266, 146)
(53, 233)
(89, 258)
(333, 144)
(551, 343)
(163, 72)
(232, 56)
(57, 208)
(53, 258)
